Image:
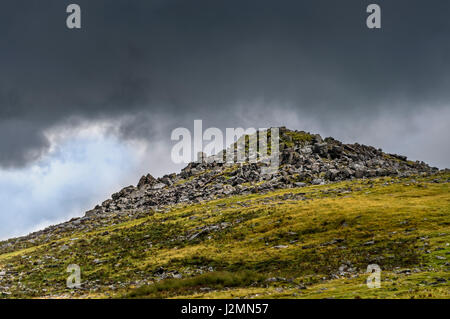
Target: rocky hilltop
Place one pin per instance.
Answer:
(305, 159)
(319, 218)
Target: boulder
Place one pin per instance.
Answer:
(146, 180)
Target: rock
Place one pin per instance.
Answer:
(333, 174)
(159, 186)
(275, 279)
(317, 138)
(405, 271)
(208, 229)
(166, 181)
(320, 148)
(318, 181)
(333, 242)
(280, 246)
(359, 173)
(146, 180)
(238, 181)
(299, 184)
(159, 271)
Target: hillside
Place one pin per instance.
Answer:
(218, 231)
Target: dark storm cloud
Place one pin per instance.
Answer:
(181, 60)
(20, 143)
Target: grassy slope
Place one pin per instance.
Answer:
(399, 224)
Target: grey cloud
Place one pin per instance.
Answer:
(162, 64)
(20, 143)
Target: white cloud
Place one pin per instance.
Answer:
(84, 167)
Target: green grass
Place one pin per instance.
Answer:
(297, 138)
(207, 281)
(300, 236)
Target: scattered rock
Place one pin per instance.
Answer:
(280, 246)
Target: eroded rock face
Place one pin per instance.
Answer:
(305, 159)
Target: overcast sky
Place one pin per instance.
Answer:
(86, 112)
